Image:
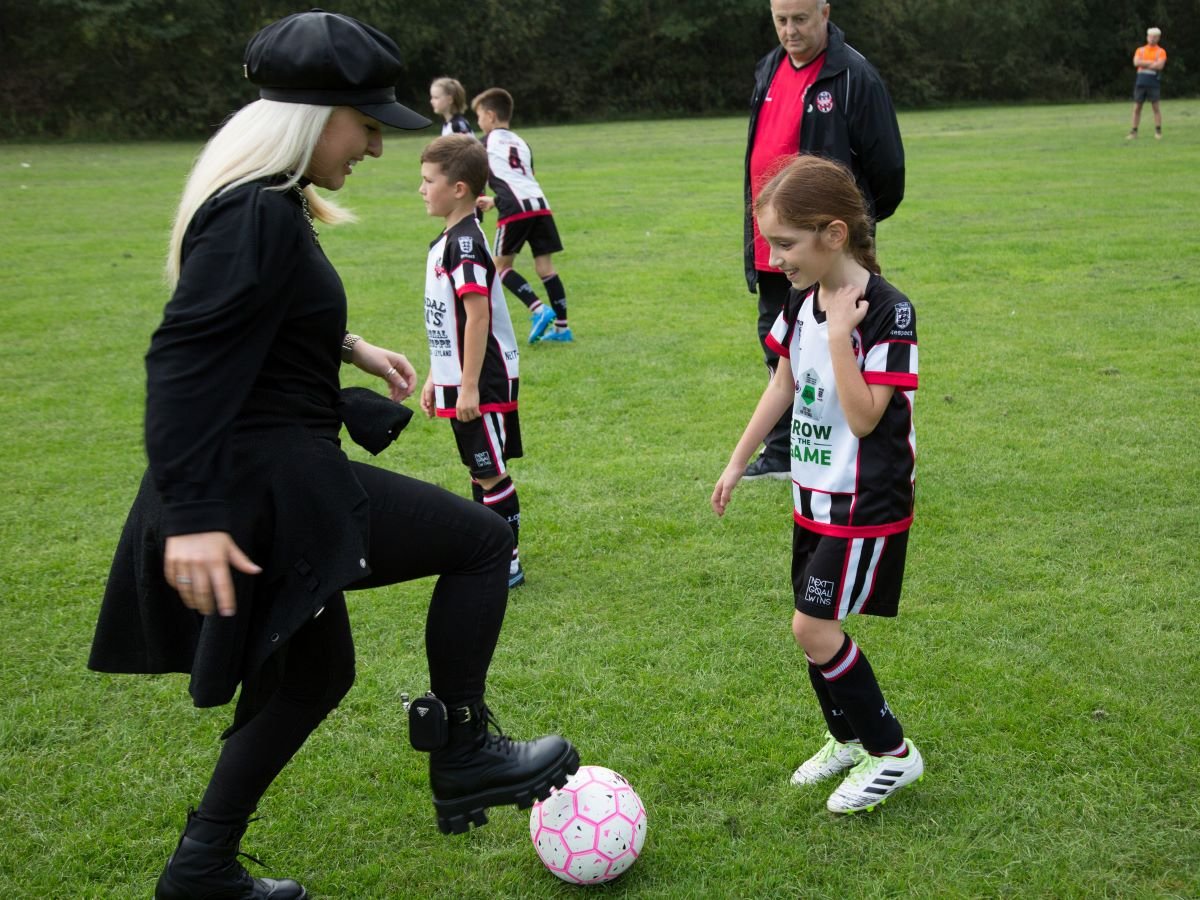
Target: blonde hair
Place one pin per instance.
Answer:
(262, 139)
(453, 89)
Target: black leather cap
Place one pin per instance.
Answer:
(328, 59)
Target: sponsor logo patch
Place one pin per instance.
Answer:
(819, 591)
(483, 459)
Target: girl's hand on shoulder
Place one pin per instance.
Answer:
(197, 566)
(724, 490)
(844, 310)
(394, 368)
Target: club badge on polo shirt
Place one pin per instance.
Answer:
(825, 101)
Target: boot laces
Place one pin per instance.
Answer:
(498, 739)
(244, 855)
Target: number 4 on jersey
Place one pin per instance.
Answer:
(514, 161)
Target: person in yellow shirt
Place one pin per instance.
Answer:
(1149, 61)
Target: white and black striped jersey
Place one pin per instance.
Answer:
(842, 485)
(460, 266)
(510, 176)
(457, 124)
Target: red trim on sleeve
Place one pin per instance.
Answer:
(776, 347)
(899, 379)
(471, 287)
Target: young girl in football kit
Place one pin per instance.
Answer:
(850, 341)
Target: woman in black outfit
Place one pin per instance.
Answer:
(251, 515)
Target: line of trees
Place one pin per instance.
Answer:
(172, 68)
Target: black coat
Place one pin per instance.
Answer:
(856, 126)
(243, 411)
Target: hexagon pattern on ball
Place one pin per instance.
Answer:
(590, 830)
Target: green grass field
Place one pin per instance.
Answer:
(1046, 654)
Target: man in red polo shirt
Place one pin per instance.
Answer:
(812, 94)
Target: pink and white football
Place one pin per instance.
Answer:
(590, 830)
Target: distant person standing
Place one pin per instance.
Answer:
(813, 94)
(448, 99)
(1149, 62)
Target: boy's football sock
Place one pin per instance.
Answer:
(519, 288)
(557, 295)
(835, 718)
(502, 499)
(853, 688)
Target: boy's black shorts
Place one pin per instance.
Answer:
(486, 443)
(833, 577)
(539, 232)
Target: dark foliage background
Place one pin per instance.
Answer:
(172, 68)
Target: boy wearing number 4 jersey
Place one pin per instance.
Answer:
(524, 216)
(473, 355)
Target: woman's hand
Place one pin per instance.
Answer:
(485, 203)
(394, 368)
(197, 566)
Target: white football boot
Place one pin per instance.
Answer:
(831, 759)
(875, 778)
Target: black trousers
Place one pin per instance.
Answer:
(772, 294)
(417, 530)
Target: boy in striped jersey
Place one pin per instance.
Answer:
(849, 341)
(473, 355)
(524, 216)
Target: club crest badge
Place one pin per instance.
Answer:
(466, 245)
(903, 315)
(825, 101)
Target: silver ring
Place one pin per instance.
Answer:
(389, 373)
(183, 579)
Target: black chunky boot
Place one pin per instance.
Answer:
(205, 867)
(478, 768)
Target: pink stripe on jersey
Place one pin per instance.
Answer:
(899, 379)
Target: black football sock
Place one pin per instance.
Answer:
(558, 299)
(502, 500)
(520, 289)
(835, 718)
(852, 686)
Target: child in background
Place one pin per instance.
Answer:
(524, 215)
(472, 347)
(448, 98)
(850, 342)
